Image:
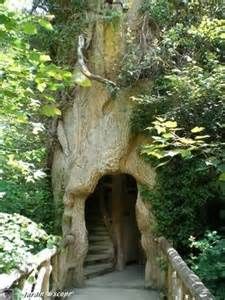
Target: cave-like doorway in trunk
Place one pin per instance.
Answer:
(113, 235)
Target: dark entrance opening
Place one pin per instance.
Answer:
(114, 238)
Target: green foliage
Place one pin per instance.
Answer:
(112, 15)
(159, 10)
(29, 83)
(179, 199)
(147, 107)
(70, 20)
(29, 199)
(208, 261)
(140, 61)
(169, 142)
(168, 12)
(186, 106)
(20, 239)
(26, 74)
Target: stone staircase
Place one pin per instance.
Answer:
(100, 255)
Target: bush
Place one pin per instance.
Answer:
(208, 261)
(179, 199)
(20, 239)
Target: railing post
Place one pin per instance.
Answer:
(28, 284)
(39, 282)
(185, 284)
(169, 282)
(174, 285)
(45, 285)
(180, 295)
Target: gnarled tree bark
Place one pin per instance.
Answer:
(97, 130)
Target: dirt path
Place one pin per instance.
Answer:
(125, 285)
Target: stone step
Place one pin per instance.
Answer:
(95, 223)
(97, 228)
(103, 257)
(108, 253)
(99, 269)
(97, 238)
(102, 243)
(94, 217)
(98, 232)
(100, 247)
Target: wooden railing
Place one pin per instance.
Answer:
(181, 283)
(33, 282)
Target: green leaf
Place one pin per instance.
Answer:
(186, 153)
(160, 129)
(44, 58)
(29, 28)
(46, 24)
(34, 56)
(170, 124)
(50, 111)
(168, 135)
(172, 153)
(187, 141)
(156, 153)
(199, 137)
(197, 129)
(222, 177)
(162, 164)
(22, 118)
(41, 86)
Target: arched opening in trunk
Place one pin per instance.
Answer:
(113, 235)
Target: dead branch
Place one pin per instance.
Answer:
(83, 67)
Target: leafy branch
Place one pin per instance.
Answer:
(170, 142)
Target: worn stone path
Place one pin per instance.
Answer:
(125, 285)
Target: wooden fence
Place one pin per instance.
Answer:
(181, 283)
(33, 281)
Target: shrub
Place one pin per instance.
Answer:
(208, 261)
(20, 239)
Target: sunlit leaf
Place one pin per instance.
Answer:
(168, 135)
(222, 177)
(160, 129)
(186, 141)
(172, 153)
(46, 24)
(21, 118)
(197, 129)
(50, 111)
(185, 153)
(199, 137)
(162, 164)
(44, 58)
(170, 124)
(41, 86)
(156, 153)
(30, 28)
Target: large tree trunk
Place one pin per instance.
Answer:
(94, 140)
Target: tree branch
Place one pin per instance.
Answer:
(84, 69)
